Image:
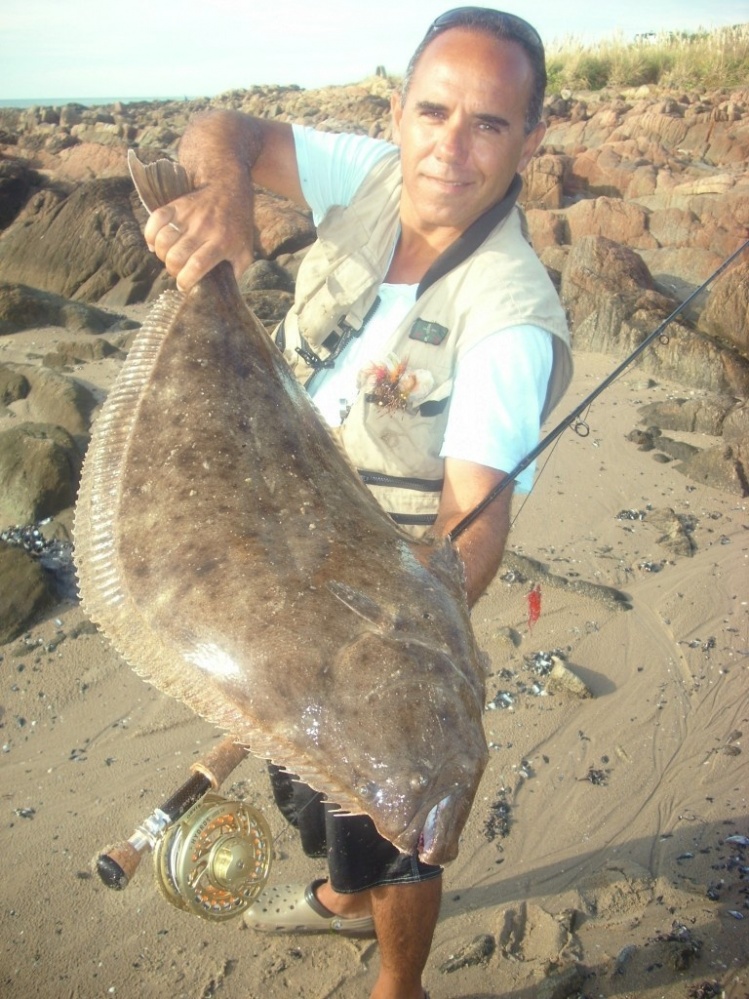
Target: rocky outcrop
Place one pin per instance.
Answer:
(661, 174)
(614, 304)
(635, 198)
(87, 246)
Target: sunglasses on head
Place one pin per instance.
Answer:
(511, 24)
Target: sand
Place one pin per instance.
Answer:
(596, 861)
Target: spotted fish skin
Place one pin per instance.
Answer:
(227, 548)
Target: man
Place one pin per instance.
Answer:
(427, 331)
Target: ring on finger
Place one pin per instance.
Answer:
(173, 225)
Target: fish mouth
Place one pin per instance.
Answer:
(434, 832)
(428, 837)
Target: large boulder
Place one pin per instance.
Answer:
(281, 226)
(622, 221)
(724, 466)
(25, 592)
(726, 315)
(39, 471)
(86, 246)
(614, 305)
(56, 399)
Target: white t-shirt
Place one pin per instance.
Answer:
(500, 384)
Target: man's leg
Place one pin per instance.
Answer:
(405, 916)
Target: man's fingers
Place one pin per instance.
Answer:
(190, 267)
(162, 218)
(189, 247)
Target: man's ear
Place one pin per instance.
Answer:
(396, 113)
(532, 141)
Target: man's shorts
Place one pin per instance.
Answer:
(358, 857)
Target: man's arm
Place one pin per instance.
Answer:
(225, 153)
(482, 544)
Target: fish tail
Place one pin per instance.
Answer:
(158, 183)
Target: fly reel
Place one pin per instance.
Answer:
(214, 860)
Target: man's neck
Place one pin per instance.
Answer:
(415, 253)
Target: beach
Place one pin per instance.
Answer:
(606, 853)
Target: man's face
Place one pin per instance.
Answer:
(461, 129)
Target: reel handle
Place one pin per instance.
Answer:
(117, 864)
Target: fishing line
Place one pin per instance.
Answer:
(572, 419)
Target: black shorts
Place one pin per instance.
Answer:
(358, 857)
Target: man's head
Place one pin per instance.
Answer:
(462, 121)
(496, 24)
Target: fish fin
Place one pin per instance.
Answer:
(357, 601)
(158, 183)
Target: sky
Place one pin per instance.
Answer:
(200, 48)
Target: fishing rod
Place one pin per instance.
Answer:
(576, 412)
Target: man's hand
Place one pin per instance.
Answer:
(193, 234)
(225, 153)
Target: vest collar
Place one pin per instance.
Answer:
(470, 240)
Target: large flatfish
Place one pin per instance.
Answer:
(230, 552)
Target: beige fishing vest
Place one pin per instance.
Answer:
(394, 431)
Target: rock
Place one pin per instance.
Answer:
(39, 471)
(676, 537)
(705, 416)
(80, 351)
(564, 983)
(598, 264)
(726, 315)
(25, 593)
(83, 247)
(543, 181)
(678, 450)
(57, 399)
(545, 229)
(562, 680)
(266, 275)
(13, 386)
(616, 170)
(16, 181)
(270, 307)
(478, 951)
(623, 221)
(661, 172)
(725, 466)
(281, 226)
(84, 160)
(613, 306)
(22, 307)
(642, 438)
(736, 423)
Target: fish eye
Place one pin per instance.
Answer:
(418, 781)
(367, 790)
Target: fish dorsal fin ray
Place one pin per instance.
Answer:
(158, 183)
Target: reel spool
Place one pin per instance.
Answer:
(215, 860)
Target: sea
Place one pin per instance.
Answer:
(58, 102)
